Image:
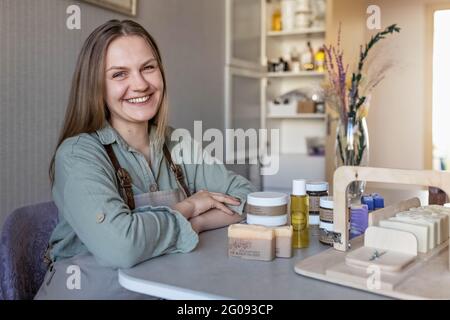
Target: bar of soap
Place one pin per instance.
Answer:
(441, 221)
(438, 211)
(283, 241)
(420, 231)
(420, 220)
(251, 242)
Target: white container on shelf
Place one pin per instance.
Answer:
(288, 8)
(303, 14)
(288, 109)
(303, 19)
(303, 5)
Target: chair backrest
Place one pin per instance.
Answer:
(24, 239)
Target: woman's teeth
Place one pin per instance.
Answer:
(139, 100)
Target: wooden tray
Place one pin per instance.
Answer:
(425, 277)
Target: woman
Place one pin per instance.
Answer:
(121, 198)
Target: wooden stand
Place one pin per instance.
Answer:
(398, 270)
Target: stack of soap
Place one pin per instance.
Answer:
(283, 241)
(430, 225)
(259, 242)
(419, 231)
(359, 220)
(251, 242)
(437, 212)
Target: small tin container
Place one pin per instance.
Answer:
(267, 208)
(315, 190)
(326, 220)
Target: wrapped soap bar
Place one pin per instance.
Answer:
(251, 242)
(283, 241)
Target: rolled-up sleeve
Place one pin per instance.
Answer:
(87, 195)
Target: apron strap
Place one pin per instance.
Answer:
(177, 171)
(124, 177)
(125, 190)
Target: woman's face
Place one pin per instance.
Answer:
(134, 84)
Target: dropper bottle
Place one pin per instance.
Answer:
(299, 214)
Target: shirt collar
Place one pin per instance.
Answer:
(109, 135)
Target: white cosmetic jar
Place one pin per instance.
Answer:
(267, 208)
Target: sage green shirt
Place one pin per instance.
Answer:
(94, 218)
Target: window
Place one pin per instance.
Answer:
(441, 90)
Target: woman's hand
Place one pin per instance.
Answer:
(203, 201)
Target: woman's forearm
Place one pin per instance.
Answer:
(213, 219)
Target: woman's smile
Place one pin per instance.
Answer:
(141, 100)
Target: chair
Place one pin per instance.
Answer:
(24, 239)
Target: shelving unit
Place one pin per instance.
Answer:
(294, 129)
(249, 86)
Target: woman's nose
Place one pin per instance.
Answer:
(138, 82)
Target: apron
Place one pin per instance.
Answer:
(96, 281)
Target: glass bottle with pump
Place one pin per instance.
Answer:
(299, 214)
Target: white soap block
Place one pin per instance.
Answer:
(438, 212)
(435, 223)
(441, 219)
(420, 220)
(420, 231)
(445, 221)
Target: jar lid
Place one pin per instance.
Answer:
(317, 186)
(267, 199)
(326, 202)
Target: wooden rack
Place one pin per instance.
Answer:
(425, 276)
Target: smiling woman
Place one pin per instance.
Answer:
(121, 199)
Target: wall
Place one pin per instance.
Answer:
(37, 58)
(400, 117)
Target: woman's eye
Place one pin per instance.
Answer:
(150, 67)
(118, 74)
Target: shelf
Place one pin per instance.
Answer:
(290, 74)
(318, 116)
(295, 32)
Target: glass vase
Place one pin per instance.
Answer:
(352, 149)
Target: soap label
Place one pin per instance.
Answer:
(314, 205)
(255, 249)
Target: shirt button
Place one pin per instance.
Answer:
(100, 217)
(154, 188)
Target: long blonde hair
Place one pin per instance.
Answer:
(86, 110)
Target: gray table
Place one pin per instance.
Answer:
(208, 273)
